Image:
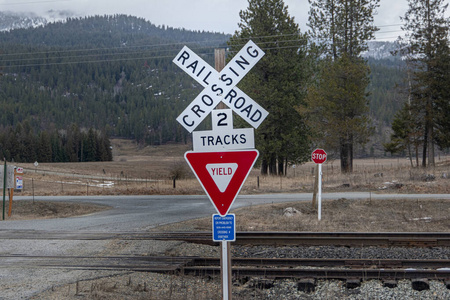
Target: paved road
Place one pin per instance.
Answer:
(135, 213)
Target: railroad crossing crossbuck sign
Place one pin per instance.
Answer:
(223, 157)
(220, 86)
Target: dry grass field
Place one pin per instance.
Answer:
(149, 170)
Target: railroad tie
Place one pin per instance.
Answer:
(390, 283)
(447, 283)
(306, 285)
(420, 284)
(353, 283)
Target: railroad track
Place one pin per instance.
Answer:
(306, 270)
(352, 270)
(350, 239)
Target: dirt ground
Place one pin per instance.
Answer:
(29, 210)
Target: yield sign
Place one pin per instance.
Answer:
(222, 174)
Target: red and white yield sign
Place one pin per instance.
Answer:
(319, 156)
(222, 174)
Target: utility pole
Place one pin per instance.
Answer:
(219, 64)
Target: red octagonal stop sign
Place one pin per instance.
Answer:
(319, 156)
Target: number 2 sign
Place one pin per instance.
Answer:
(223, 136)
(222, 119)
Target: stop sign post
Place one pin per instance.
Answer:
(319, 156)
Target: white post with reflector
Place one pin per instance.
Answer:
(319, 193)
(319, 156)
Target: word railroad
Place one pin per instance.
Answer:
(220, 86)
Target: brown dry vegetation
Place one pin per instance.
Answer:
(341, 215)
(150, 170)
(26, 210)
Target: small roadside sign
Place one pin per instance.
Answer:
(9, 177)
(19, 182)
(319, 156)
(224, 228)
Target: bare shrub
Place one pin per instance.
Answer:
(178, 171)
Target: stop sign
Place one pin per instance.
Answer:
(319, 156)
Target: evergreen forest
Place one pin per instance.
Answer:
(68, 86)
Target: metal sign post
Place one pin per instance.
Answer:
(319, 156)
(4, 189)
(319, 193)
(226, 270)
(224, 230)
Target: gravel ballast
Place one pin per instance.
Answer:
(138, 285)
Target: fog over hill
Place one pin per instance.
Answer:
(12, 20)
(381, 50)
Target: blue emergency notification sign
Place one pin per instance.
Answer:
(224, 228)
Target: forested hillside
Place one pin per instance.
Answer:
(386, 97)
(115, 74)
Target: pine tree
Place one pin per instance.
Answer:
(427, 49)
(277, 82)
(90, 146)
(407, 134)
(44, 148)
(342, 29)
(342, 26)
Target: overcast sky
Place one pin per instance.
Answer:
(209, 15)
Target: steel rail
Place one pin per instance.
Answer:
(155, 262)
(342, 269)
(405, 239)
(328, 262)
(386, 239)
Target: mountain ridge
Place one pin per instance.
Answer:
(10, 21)
(115, 73)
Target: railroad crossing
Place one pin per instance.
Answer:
(226, 155)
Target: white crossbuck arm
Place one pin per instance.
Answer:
(220, 86)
